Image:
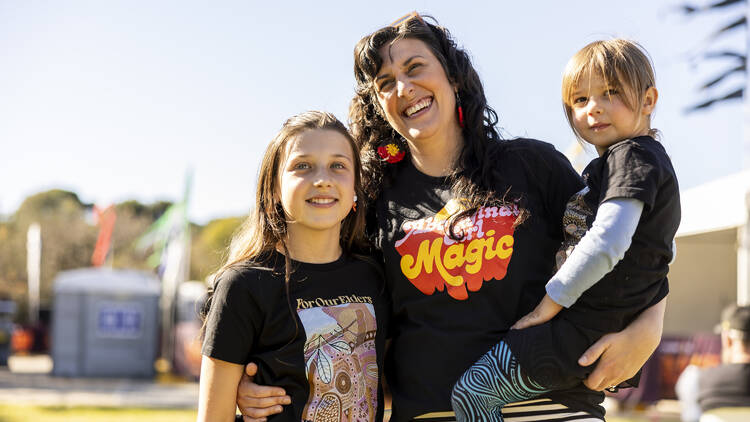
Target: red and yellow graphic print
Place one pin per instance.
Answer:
(431, 260)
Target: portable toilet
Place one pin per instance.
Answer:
(105, 323)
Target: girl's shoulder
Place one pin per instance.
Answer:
(247, 276)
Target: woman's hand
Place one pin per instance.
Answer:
(622, 354)
(256, 402)
(544, 311)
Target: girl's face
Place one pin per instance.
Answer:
(316, 181)
(602, 118)
(417, 98)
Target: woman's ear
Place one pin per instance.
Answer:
(649, 100)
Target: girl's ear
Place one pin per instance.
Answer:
(649, 100)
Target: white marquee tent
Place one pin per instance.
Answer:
(712, 267)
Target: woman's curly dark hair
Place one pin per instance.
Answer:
(473, 178)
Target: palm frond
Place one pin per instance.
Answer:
(688, 9)
(725, 3)
(735, 95)
(739, 23)
(725, 54)
(712, 82)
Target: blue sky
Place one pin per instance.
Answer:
(117, 99)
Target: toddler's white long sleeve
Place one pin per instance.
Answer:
(599, 250)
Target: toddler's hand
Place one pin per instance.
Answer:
(544, 311)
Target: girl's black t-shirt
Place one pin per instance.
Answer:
(324, 343)
(452, 301)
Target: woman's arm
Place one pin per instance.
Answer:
(620, 355)
(256, 402)
(218, 390)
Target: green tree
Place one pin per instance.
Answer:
(210, 244)
(133, 219)
(69, 236)
(67, 240)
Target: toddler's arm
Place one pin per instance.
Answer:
(600, 249)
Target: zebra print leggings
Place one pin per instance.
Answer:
(492, 382)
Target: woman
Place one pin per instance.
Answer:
(468, 225)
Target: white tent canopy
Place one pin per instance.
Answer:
(712, 266)
(717, 205)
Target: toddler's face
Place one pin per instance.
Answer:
(601, 117)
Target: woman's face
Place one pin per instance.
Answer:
(414, 92)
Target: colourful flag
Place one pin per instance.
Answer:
(106, 219)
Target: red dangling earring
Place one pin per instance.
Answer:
(460, 111)
(354, 206)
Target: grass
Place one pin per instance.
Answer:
(23, 413)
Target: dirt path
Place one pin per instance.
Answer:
(27, 380)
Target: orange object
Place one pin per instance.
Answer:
(21, 341)
(106, 218)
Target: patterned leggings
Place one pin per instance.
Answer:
(495, 380)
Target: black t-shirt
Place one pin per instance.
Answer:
(452, 301)
(327, 353)
(636, 168)
(726, 385)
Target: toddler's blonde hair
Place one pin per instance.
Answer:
(623, 64)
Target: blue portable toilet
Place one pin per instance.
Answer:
(105, 322)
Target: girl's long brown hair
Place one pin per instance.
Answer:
(265, 228)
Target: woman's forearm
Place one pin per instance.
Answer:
(620, 355)
(650, 324)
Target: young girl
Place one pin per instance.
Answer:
(292, 298)
(623, 223)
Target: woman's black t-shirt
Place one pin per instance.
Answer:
(324, 344)
(452, 301)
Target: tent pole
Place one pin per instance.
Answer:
(743, 257)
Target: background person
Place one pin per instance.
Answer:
(726, 385)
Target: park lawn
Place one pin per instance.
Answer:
(23, 413)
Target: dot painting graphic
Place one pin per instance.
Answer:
(341, 362)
